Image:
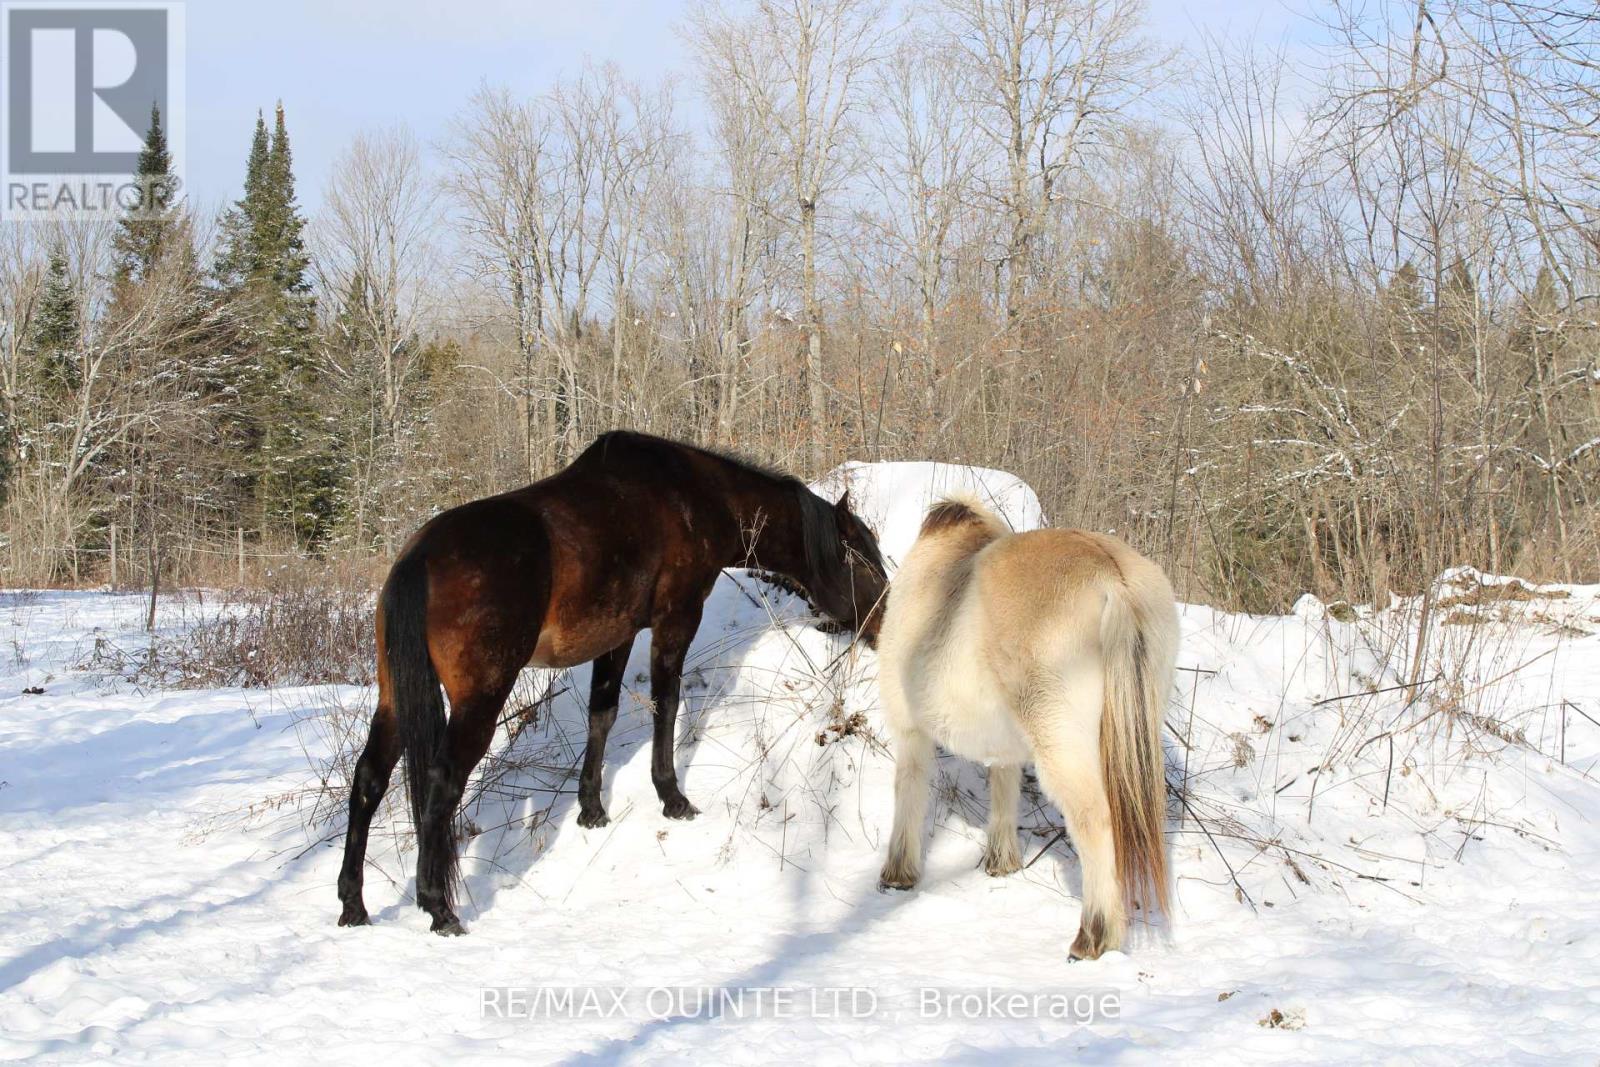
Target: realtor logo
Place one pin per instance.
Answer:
(79, 86)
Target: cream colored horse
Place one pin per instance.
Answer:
(1055, 646)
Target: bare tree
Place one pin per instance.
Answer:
(1255, 174)
(922, 165)
(116, 417)
(820, 50)
(498, 152)
(1334, 353)
(1048, 77)
(377, 257)
(742, 206)
(636, 130)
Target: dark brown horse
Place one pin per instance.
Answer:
(633, 534)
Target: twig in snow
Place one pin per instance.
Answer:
(1236, 884)
(1375, 692)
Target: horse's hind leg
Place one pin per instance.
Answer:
(367, 787)
(473, 718)
(913, 763)
(1003, 855)
(1065, 731)
(605, 690)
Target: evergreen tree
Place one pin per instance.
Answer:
(352, 331)
(144, 230)
(1458, 308)
(1542, 302)
(263, 235)
(1406, 307)
(1461, 287)
(53, 341)
(303, 484)
(285, 232)
(240, 259)
(264, 267)
(1536, 315)
(1403, 295)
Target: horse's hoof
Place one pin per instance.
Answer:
(354, 914)
(593, 820)
(1084, 949)
(897, 885)
(449, 928)
(679, 808)
(999, 868)
(1095, 937)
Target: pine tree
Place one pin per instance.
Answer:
(264, 267)
(304, 481)
(1533, 319)
(1542, 302)
(53, 340)
(263, 235)
(1406, 307)
(286, 231)
(1403, 294)
(144, 230)
(240, 258)
(351, 329)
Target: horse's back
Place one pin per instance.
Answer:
(1029, 581)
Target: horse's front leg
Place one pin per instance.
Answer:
(605, 690)
(669, 644)
(913, 767)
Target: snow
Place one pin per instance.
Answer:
(1374, 880)
(893, 497)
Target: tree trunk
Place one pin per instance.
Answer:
(155, 582)
(816, 389)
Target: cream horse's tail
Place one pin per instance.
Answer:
(1139, 643)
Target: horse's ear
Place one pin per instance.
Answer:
(842, 506)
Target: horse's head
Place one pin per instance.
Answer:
(848, 578)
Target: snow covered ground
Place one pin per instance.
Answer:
(1359, 878)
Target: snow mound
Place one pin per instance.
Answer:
(893, 497)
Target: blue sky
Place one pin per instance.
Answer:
(340, 67)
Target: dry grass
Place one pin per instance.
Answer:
(305, 627)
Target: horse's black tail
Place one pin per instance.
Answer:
(419, 711)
